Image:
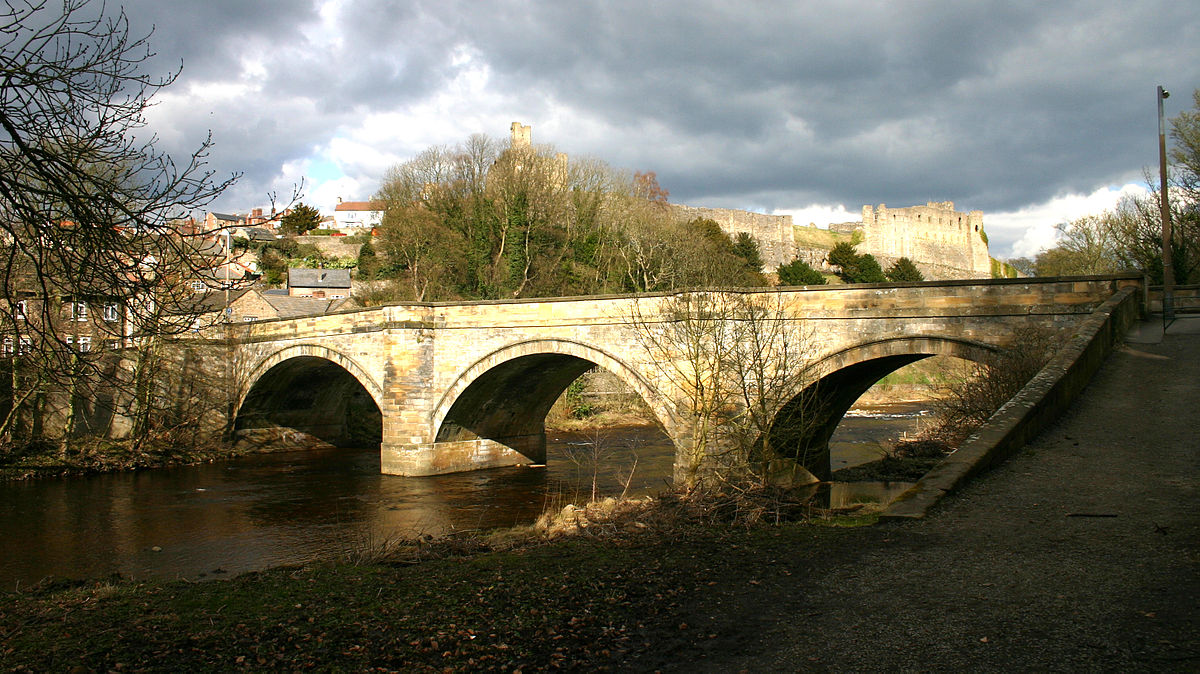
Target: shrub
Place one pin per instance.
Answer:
(966, 404)
(904, 271)
(800, 273)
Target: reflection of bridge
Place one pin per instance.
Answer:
(452, 387)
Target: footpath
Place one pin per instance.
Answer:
(1080, 553)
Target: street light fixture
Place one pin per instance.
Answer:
(1168, 301)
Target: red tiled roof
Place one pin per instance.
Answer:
(359, 206)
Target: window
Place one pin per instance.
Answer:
(249, 319)
(20, 313)
(85, 343)
(25, 347)
(79, 311)
(70, 339)
(111, 313)
(8, 346)
(112, 344)
(198, 286)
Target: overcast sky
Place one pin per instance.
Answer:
(1033, 112)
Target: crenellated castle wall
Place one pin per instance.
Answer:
(933, 234)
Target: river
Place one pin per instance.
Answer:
(265, 510)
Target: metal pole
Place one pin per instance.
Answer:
(228, 261)
(1165, 208)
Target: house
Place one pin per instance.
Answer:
(83, 324)
(216, 275)
(253, 234)
(269, 220)
(218, 221)
(358, 214)
(322, 283)
(248, 305)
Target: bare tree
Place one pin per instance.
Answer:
(732, 361)
(88, 204)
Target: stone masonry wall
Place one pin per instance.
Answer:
(943, 243)
(416, 360)
(933, 234)
(774, 233)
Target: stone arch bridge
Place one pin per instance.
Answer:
(462, 386)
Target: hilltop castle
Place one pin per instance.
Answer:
(942, 242)
(951, 244)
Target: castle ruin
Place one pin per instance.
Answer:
(934, 234)
(943, 243)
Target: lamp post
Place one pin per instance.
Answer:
(1168, 302)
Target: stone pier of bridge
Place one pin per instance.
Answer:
(465, 386)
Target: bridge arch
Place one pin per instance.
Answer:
(506, 394)
(316, 351)
(825, 390)
(306, 394)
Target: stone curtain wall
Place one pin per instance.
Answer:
(774, 233)
(944, 243)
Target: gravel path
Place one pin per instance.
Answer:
(1079, 554)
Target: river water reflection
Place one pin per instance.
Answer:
(288, 508)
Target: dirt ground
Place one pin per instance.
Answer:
(1081, 553)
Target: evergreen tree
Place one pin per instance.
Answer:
(800, 273)
(904, 271)
(868, 270)
(300, 220)
(745, 247)
(367, 263)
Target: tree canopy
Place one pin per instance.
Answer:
(904, 271)
(1129, 236)
(800, 273)
(90, 208)
(300, 219)
(485, 220)
(854, 267)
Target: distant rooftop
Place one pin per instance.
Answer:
(292, 307)
(359, 206)
(318, 278)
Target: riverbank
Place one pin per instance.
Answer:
(91, 457)
(575, 591)
(1079, 553)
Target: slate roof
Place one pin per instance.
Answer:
(257, 233)
(319, 278)
(227, 217)
(292, 307)
(214, 300)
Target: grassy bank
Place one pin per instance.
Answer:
(638, 587)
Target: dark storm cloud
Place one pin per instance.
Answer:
(995, 105)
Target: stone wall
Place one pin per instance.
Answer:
(774, 234)
(332, 246)
(933, 234)
(943, 243)
(507, 361)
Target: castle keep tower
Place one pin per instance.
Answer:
(934, 231)
(522, 135)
